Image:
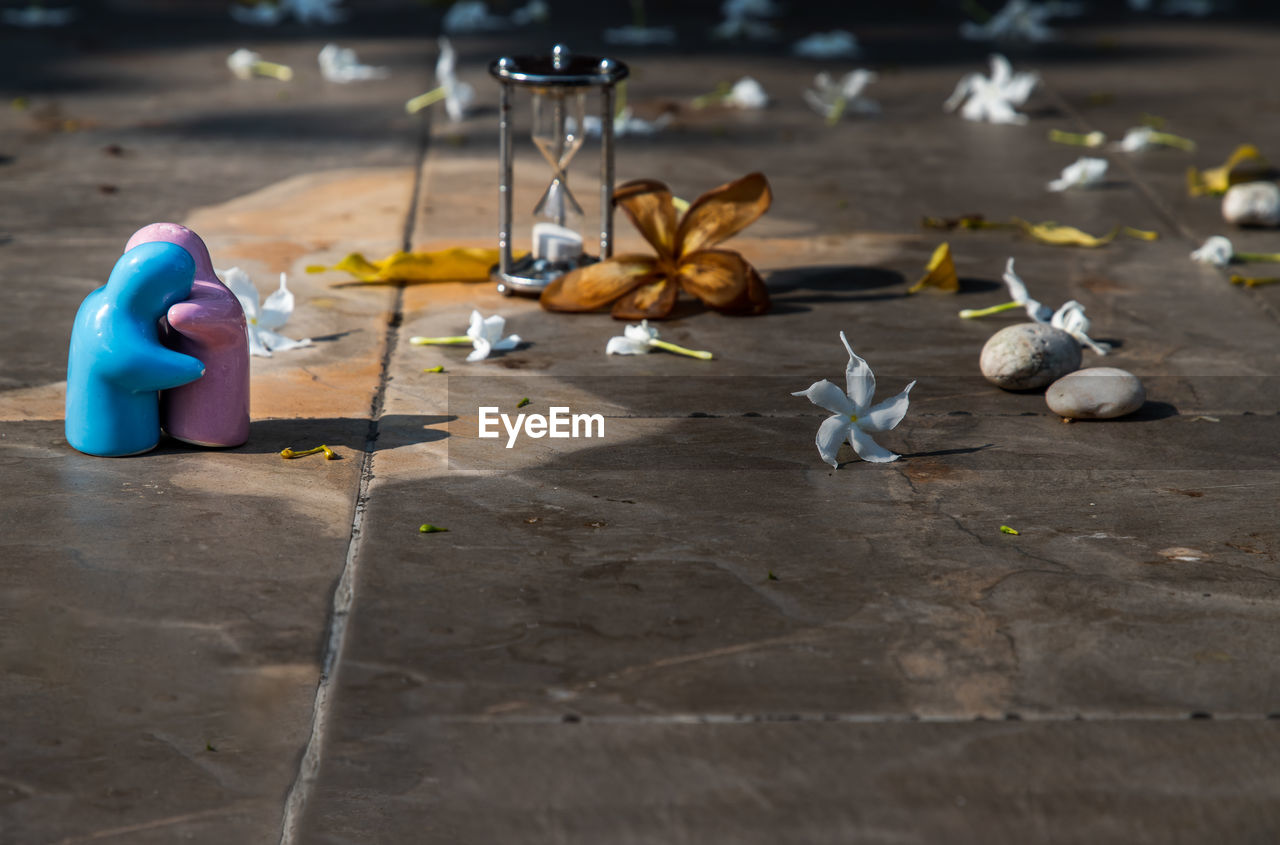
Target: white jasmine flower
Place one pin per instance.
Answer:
(1252, 204)
(851, 415)
(625, 123)
(1217, 251)
(747, 93)
(471, 16)
(339, 64)
(263, 319)
(1020, 20)
(1141, 138)
(994, 99)
(486, 336)
(837, 44)
(535, 11)
(246, 64)
(832, 99)
(1070, 317)
(643, 339)
(456, 94)
(36, 15)
(1084, 173)
(640, 35)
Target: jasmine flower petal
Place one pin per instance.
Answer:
(830, 435)
(868, 449)
(886, 415)
(826, 395)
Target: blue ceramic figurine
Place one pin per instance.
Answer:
(117, 364)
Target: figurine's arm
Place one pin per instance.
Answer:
(154, 368)
(210, 315)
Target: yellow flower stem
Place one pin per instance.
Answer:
(329, 454)
(276, 71)
(440, 341)
(1265, 257)
(421, 101)
(679, 350)
(837, 111)
(1077, 139)
(1140, 234)
(717, 96)
(1175, 141)
(973, 313)
(1254, 281)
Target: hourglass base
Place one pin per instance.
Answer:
(529, 275)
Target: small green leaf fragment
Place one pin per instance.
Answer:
(1004, 529)
(772, 577)
(428, 528)
(522, 402)
(208, 746)
(438, 368)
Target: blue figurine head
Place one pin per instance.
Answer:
(150, 277)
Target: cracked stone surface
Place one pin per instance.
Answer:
(691, 629)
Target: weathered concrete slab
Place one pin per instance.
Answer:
(750, 782)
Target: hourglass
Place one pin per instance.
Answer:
(559, 84)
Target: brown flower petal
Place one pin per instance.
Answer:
(722, 212)
(716, 276)
(757, 294)
(651, 301)
(648, 203)
(595, 285)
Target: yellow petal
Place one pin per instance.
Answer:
(1254, 281)
(940, 272)
(1244, 165)
(968, 221)
(1055, 235)
(457, 264)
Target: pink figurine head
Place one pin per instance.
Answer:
(182, 236)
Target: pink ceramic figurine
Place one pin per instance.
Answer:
(210, 326)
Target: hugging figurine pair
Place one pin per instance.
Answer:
(162, 345)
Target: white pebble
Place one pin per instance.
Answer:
(1028, 356)
(1096, 393)
(1252, 204)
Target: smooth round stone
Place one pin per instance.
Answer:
(1029, 355)
(1096, 393)
(1252, 204)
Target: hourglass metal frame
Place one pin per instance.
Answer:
(560, 69)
